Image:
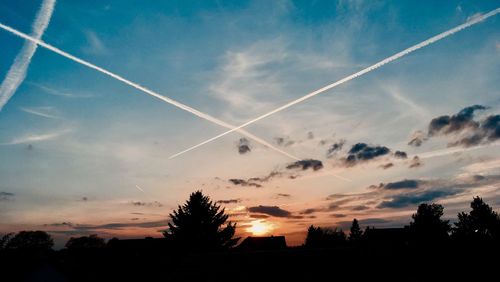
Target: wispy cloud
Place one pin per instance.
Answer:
(45, 112)
(95, 45)
(37, 137)
(17, 71)
(144, 90)
(353, 76)
(60, 93)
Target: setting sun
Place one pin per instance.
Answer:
(260, 227)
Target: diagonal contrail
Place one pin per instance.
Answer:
(353, 76)
(17, 71)
(36, 41)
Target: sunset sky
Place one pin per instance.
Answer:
(83, 153)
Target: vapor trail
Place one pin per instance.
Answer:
(139, 188)
(184, 107)
(353, 76)
(17, 71)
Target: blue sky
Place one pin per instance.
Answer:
(75, 143)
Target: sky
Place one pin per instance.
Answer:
(83, 153)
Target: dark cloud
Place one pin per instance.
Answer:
(64, 223)
(400, 155)
(259, 216)
(338, 215)
(245, 183)
(230, 201)
(403, 184)
(335, 148)
(415, 162)
(79, 228)
(455, 123)
(363, 152)
(270, 210)
(244, 146)
(468, 132)
(5, 196)
(282, 195)
(85, 199)
(147, 204)
(360, 208)
(405, 200)
(311, 211)
(266, 178)
(487, 131)
(306, 164)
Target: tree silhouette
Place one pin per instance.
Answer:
(5, 239)
(427, 224)
(85, 242)
(318, 237)
(356, 232)
(31, 240)
(481, 223)
(199, 225)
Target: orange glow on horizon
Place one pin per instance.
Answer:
(260, 227)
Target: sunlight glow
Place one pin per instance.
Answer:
(260, 227)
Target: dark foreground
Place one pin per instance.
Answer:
(349, 263)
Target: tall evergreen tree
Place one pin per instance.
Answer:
(199, 225)
(356, 232)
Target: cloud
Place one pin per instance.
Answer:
(270, 210)
(400, 155)
(387, 165)
(417, 138)
(41, 111)
(243, 182)
(17, 72)
(283, 195)
(243, 146)
(245, 62)
(6, 196)
(467, 131)
(147, 204)
(95, 45)
(283, 141)
(415, 162)
(259, 216)
(405, 200)
(306, 164)
(59, 93)
(230, 201)
(361, 152)
(64, 223)
(121, 225)
(455, 123)
(31, 138)
(403, 184)
(312, 210)
(335, 148)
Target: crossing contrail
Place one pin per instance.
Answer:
(37, 41)
(353, 76)
(17, 71)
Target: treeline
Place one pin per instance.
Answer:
(480, 225)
